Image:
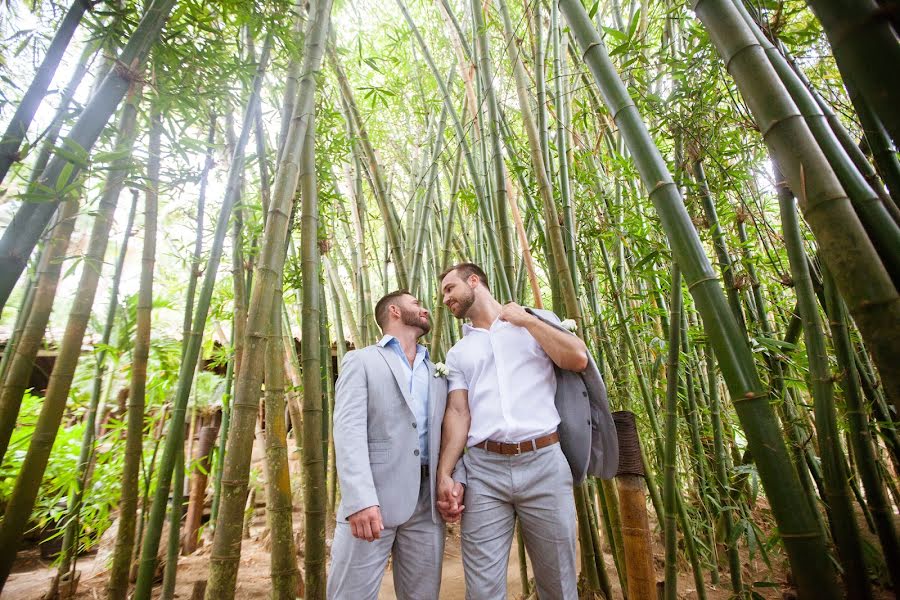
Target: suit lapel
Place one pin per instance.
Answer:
(399, 375)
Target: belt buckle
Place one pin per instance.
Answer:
(518, 449)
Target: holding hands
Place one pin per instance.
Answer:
(449, 498)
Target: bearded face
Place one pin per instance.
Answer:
(458, 296)
(415, 316)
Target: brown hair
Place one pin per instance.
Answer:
(466, 270)
(381, 307)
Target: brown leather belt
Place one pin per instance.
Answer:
(520, 447)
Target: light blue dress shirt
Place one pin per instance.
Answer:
(418, 388)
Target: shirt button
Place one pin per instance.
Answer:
(414, 424)
(416, 452)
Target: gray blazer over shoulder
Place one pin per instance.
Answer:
(376, 440)
(587, 433)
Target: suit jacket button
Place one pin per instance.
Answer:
(416, 452)
(414, 424)
(584, 393)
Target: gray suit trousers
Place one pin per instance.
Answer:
(536, 486)
(357, 566)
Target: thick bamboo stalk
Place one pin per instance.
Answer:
(840, 511)
(283, 566)
(18, 125)
(201, 457)
(86, 455)
(802, 538)
(845, 158)
(170, 573)
(18, 373)
(43, 157)
(191, 353)
(18, 241)
(866, 49)
(21, 501)
(314, 392)
(225, 554)
(844, 245)
(860, 436)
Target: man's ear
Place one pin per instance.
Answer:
(473, 281)
(394, 310)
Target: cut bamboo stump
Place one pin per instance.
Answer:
(640, 575)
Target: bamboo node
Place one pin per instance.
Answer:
(697, 282)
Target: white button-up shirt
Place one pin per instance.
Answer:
(511, 383)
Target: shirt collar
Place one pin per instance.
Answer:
(388, 339)
(468, 328)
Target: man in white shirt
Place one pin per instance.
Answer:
(501, 387)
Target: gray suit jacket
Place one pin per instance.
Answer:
(587, 433)
(376, 439)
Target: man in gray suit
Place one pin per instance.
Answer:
(501, 406)
(388, 407)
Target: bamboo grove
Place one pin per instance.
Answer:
(201, 203)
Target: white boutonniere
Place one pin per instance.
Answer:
(440, 370)
(570, 324)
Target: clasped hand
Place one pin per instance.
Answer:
(449, 499)
(515, 314)
(366, 524)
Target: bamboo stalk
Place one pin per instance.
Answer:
(18, 241)
(802, 538)
(840, 512)
(670, 487)
(17, 128)
(191, 351)
(225, 559)
(860, 436)
(279, 506)
(21, 501)
(86, 455)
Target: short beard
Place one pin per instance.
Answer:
(412, 319)
(464, 304)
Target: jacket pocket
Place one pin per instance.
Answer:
(378, 456)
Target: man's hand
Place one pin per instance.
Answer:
(515, 314)
(450, 495)
(366, 524)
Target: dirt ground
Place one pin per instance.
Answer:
(31, 575)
